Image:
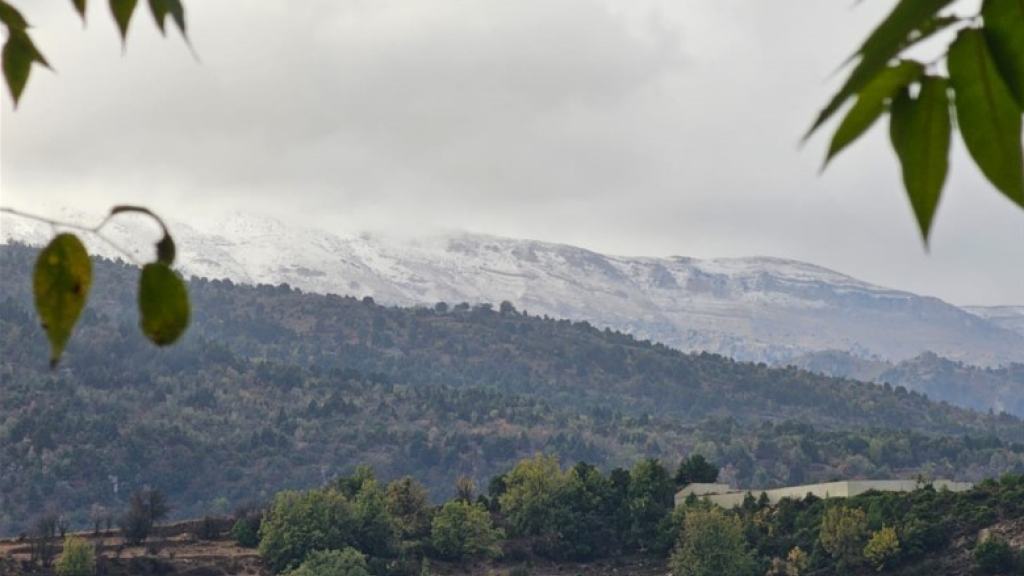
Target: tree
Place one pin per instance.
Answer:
(712, 544)
(842, 534)
(145, 509)
(465, 488)
(984, 91)
(408, 503)
(98, 515)
(344, 562)
(298, 523)
(375, 532)
(696, 469)
(650, 498)
(44, 532)
(530, 500)
(244, 534)
(351, 485)
(462, 529)
(78, 558)
(248, 518)
(587, 526)
(882, 548)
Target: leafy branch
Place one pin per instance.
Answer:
(63, 276)
(982, 96)
(20, 52)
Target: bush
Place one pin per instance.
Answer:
(244, 534)
(462, 529)
(993, 556)
(298, 523)
(345, 562)
(78, 559)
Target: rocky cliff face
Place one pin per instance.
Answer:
(763, 309)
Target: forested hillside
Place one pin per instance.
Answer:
(275, 389)
(997, 389)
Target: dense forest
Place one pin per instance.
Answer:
(273, 389)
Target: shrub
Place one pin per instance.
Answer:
(243, 532)
(78, 559)
(993, 556)
(462, 529)
(297, 523)
(344, 562)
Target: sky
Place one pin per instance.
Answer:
(629, 127)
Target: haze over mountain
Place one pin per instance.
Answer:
(762, 309)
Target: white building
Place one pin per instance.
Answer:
(727, 497)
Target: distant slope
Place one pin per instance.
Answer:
(569, 364)
(996, 389)
(1009, 317)
(762, 309)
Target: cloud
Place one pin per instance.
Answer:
(628, 126)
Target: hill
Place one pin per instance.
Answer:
(995, 389)
(275, 389)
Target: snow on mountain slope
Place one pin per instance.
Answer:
(765, 309)
(1009, 317)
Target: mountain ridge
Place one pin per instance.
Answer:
(755, 308)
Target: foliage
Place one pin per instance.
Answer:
(78, 558)
(461, 529)
(712, 544)
(842, 534)
(408, 503)
(44, 532)
(984, 89)
(298, 523)
(344, 562)
(244, 534)
(63, 276)
(375, 528)
(882, 548)
(193, 420)
(530, 501)
(696, 469)
(993, 556)
(145, 509)
(20, 52)
(650, 498)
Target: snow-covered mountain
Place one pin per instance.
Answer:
(764, 309)
(1009, 317)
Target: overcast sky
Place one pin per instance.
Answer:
(630, 127)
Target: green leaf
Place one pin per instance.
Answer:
(122, 11)
(161, 8)
(1004, 31)
(10, 16)
(163, 304)
(871, 102)
(80, 7)
(882, 46)
(61, 282)
(19, 54)
(987, 114)
(920, 131)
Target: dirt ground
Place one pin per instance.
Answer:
(176, 552)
